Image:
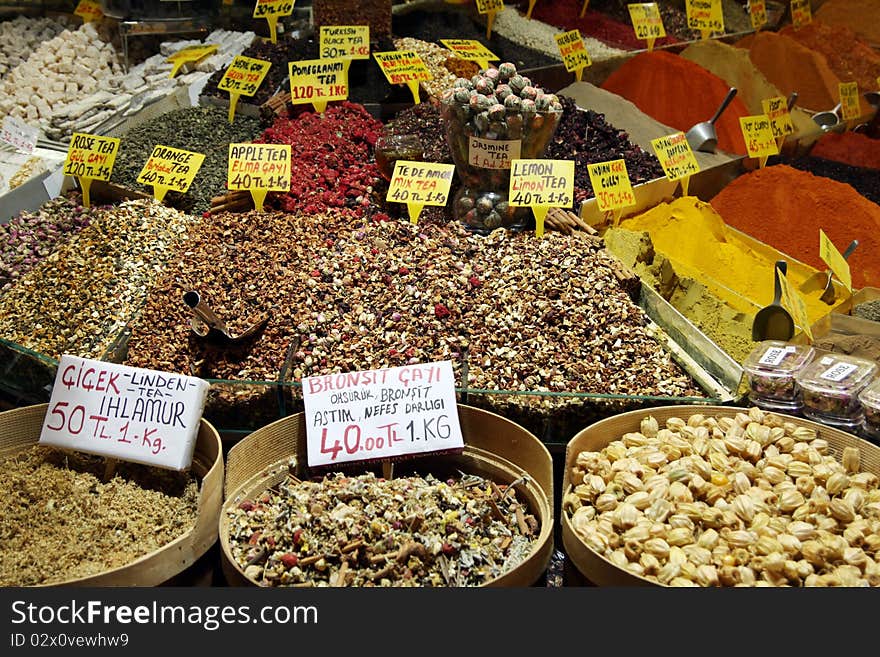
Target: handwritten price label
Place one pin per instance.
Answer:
(574, 52)
(758, 13)
(89, 11)
(189, 54)
(471, 50)
(849, 100)
(776, 110)
(419, 184)
(403, 67)
(345, 42)
(90, 156)
(381, 414)
(170, 169)
(541, 185)
(487, 6)
(647, 22)
(611, 185)
(276, 8)
(122, 412)
(800, 13)
(244, 76)
(794, 303)
(835, 260)
(676, 156)
(259, 168)
(318, 81)
(705, 15)
(758, 136)
(18, 134)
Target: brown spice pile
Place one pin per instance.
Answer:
(62, 521)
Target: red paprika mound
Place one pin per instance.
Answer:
(851, 148)
(679, 93)
(785, 208)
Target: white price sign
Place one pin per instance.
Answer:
(18, 134)
(381, 414)
(126, 413)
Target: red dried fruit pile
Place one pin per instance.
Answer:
(332, 163)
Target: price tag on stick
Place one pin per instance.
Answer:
(835, 260)
(676, 158)
(759, 138)
(574, 52)
(489, 7)
(243, 78)
(381, 414)
(800, 13)
(344, 42)
(647, 22)
(89, 11)
(170, 168)
(318, 81)
(419, 184)
(705, 16)
(127, 413)
(259, 168)
(90, 157)
(584, 8)
(612, 187)
(776, 109)
(541, 185)
(794, 302)
(403, 67)
(532, 4)
(849, 100)
(272, 10)
(471, 50)
(18, 134)
(758, 14)
(187, 55)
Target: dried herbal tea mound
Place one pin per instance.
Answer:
(62, 521)
(367, 531)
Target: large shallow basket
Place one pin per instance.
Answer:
(599, 570)
(494, 447)
(20, 429)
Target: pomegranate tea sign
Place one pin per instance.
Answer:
(381, 414)
(126, 413)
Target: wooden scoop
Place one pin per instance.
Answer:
(773, 322)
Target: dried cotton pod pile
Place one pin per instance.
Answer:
(750, 500)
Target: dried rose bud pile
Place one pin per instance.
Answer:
(367, 531)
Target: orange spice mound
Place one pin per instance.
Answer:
(785, 208)
(850, 58)
(679, 93)
(851, 148)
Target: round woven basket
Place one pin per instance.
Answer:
(20, 429)
(602, 572)
(495, 448)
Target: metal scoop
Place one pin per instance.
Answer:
(829, 119)
(702, 137)
(773, 322)
(822, 280)
(206, 324)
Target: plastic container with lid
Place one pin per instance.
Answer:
(770, 370)
(870, 400)
(831, 385)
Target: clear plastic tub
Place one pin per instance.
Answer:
(770, 370)
(831, 385)
(870, 400)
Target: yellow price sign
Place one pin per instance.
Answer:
(758, 13)
(318, 81)
(705, 16)
(776, 109)
(243, 77)
(89, 11)
(835, 260)
(259, 168)
(490, 7)
(344, 42)
(758, 136)
(272, 10)
(574, 52)
(611, 187)
(647, 22)
(541, 185)
(800, 13)
(403, 67)
(189, 54)
(419, 184)
(170, 169)
(794, 303)
(471, 50)
(849, 100)
(90, 157)
(677, 158)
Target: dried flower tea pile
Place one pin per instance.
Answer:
(369, 531)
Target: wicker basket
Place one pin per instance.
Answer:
(599, 570)
(20, 429)
(494, 447)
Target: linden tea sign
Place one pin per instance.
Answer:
(381, 414)
(127, 413)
